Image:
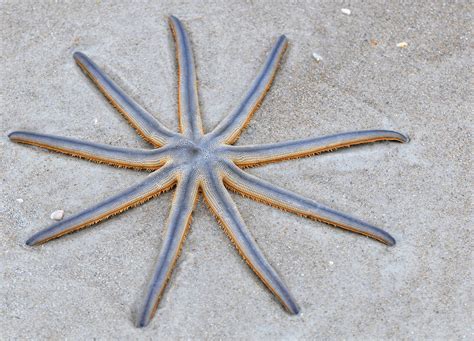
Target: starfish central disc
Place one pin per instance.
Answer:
(198, 155)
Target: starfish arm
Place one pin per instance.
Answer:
(259, 154)
(188, 104)
(147, 126)
(155, 183)
(230, 128)
(178, 223)
(115, 156)
(223, 207)
(268, 193)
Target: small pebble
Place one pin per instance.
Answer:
(317, 57)
(20, 200)
(96, 121)
(346, 11)
(373, 42)
(57, 215)
(402, 45)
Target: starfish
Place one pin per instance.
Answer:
(196, 162)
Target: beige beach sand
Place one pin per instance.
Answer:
(90, 284)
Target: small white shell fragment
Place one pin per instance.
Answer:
(20, 200)
(57, 215)
(402, 45)
(317, 57)
(346, 11)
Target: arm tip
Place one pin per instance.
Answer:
(283, 40)
(144, 318)
(78, 55)
(142, 324)
(31, 241)
(17, 135)
(11, 134)
(173, 19)
(293, 309)
(393, 135)
(403, 138)
(388, 239)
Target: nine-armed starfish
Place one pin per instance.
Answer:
(196, 162)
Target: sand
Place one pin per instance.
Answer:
(90, 284)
